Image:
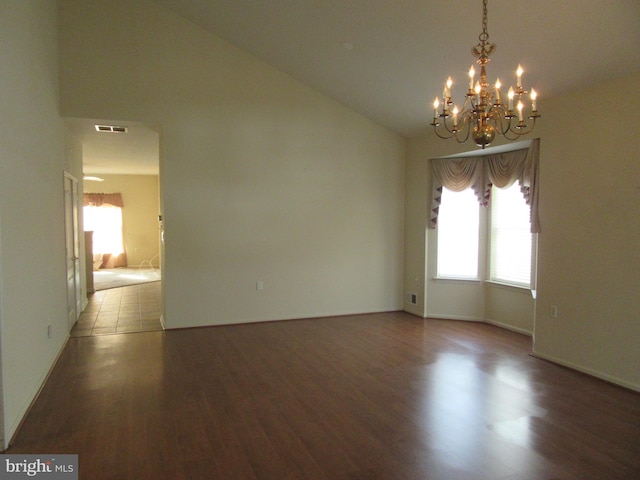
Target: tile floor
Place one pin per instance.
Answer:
(121, 310)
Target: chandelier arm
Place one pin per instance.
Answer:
(498, 118)
(509, 131)
(515, 136)
(447, 137)
(524, 129)
(466, 137)
(464, 128)
(448, 127)
(514, 133)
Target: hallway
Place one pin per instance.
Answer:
(128, 309)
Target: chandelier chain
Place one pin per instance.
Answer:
(484, 36)
(484, 49)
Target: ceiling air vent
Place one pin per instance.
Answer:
(111, 129)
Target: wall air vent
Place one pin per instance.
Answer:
(111, 129)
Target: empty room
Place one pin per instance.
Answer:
(368, 271)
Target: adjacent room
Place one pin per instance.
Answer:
(341, 292)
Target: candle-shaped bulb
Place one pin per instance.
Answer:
(498, 85)
(472, 73)
(533, 95)
(510, 94)
(520, 106)
(519, 72)
(436, 104)
(447, 93)
(455, 116)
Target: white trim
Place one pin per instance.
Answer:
(588, 371)
(521, 331)
(461, 318)
(506, 326)
(457, 279)
(509, 286)
(508, 147)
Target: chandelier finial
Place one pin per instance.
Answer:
(483, 49)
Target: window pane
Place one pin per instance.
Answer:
(511, 237)
(458, 230)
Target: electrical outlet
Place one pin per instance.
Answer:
(553, 311)
(259, 285)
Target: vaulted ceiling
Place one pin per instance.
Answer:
(388, 59)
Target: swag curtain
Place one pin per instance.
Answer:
(100, 199)
(480, 173)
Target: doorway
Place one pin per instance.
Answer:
(122, 157)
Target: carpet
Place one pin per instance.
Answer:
(106, 278)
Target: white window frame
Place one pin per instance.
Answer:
(484, 262)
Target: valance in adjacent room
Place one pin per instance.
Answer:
(481, 173)
(100, 199)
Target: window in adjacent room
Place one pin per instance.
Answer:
(106, 223)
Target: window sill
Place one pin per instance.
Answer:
(508, 286)
(456, 280)
(491, 283)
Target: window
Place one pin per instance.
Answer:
(458, 235)
(106, 223)
(511, 239)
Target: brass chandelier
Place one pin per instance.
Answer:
(483, 113)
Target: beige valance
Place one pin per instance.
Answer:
(480, 173)
(100, 199)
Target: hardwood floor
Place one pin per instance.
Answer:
(384, 396)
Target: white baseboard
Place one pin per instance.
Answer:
(456, 317)
(510, 327)
(483, 320)
(588, 371)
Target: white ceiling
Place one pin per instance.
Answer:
(388, 59)
(135, 152)
(403, 50)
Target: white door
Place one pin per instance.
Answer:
(74, 285)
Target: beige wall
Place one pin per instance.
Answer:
(32, 250)
(588, 255)
(262, 178)
(589, 260)
(139, 216)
